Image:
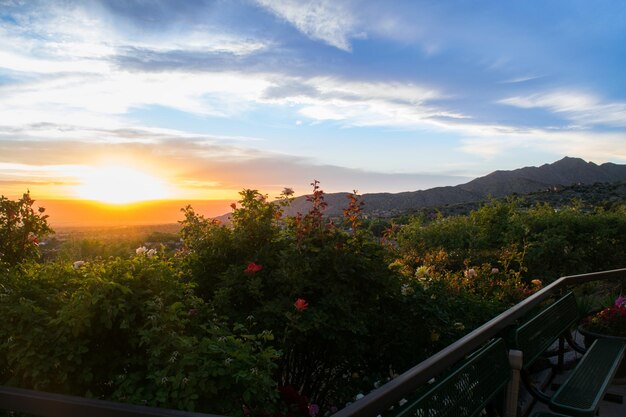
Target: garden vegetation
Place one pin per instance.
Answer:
(275, 316)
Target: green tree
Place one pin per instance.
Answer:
(21, 227)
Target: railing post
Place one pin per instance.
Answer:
(561, 357)
(512, 391)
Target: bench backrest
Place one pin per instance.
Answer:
(537, 334)
(466, 390)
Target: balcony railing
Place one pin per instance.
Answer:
(379, 400)
(376, 402)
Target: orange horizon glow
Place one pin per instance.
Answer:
(116, 181)
(121, 191)
(87, 213)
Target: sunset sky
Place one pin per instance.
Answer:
(126, 100)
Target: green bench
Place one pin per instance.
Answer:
(469, 387)
(581, 393)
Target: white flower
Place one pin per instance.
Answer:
(141, 250)
(78, 264)
(471, 273)
(406, 290)
(494, 270)
(151, 253)
(359, 396)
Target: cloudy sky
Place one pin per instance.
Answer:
(199, 99)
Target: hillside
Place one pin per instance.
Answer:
(563, 173)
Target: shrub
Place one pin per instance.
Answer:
(553, 242)
(21, 227)
(325, 293)
(129, 330)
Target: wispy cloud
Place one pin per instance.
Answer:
(116, 92)
(59, 98)
(362, 103)
(491, 142)
(583, 108)
(326, 20)
(521, 79)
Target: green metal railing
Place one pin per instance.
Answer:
(379, 400)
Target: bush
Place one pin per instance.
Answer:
(21, 227)
(553, 242)
(129, 330)
(345, 320)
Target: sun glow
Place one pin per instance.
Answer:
(120, 185)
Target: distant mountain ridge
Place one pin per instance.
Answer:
(565, 172)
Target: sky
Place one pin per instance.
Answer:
(126, 100)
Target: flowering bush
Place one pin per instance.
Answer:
(555, 243)
(325, 292)
(610, 321)
(21, 228)
(453, 302)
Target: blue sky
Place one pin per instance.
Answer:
(215, 96)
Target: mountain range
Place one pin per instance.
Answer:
(565, 172)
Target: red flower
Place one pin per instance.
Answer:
(253, 268)
(301, 304)
(34, 240)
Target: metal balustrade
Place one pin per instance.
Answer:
(379, 400)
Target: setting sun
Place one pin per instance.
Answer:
(120, 185)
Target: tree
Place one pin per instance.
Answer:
(21, 227)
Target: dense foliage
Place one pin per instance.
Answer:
(21, 228)
(540, 241)
(262, 265)
(128, 330)
(274, 316)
